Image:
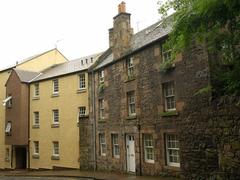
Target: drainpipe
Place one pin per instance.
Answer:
(94, 121)
(28, 151)
(140, 149)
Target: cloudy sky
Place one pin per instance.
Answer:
(78, 28)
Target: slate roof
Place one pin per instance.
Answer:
(26, 76)
(72, 66)
(28, 59)
(141, 39)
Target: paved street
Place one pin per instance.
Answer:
(40, 178)
(72, 175)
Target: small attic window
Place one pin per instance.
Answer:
(86, 61)
(91, 60)
(81, 62)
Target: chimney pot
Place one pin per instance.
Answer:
(122, 7)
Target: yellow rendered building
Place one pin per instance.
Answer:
(35, 63)
(58, 98)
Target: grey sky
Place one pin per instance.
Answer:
(29, 27)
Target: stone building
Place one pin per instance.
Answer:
(137, 99)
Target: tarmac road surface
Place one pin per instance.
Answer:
(42, 178)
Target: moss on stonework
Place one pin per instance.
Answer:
(169, 113)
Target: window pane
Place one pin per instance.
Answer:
(82, 83)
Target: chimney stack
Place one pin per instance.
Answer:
(122, 7)
(121, 33)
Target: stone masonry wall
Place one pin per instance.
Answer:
(210, 140)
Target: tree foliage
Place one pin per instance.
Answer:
(214, 23)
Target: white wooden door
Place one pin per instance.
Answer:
(131, 164)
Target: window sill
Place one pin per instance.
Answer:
(81, 90)
(116, 156)
(172, 167)
(54, 95)
(83, 117)
(36, 98)
(149, 161)
(131, 117)
(130, 79)
(169, 113)
(35, 156)
(55, 157)
(55, 125)
(8, 133)
(36, 126)
(101, 120)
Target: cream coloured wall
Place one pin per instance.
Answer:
(67, 134)
(43, 61)
(3, 163)
(37, 63)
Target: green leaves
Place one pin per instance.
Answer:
(214, 24)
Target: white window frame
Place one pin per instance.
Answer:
(8, 101)
(36, 90)
(148, 147)
(36, 118)
(130, 67)
(82, 81)
(36, 147)
(55, 86)
(115, 146)
(166, 55)
(56, 148)
(101, 108)
(102, 144)
(169, 87)
(55, 116)
(101, 76)
(8, 127)
(131, 103)
(172, 145)
(82, 111)
(7, 154)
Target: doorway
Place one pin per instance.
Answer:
(130, 146)
(21, 157)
